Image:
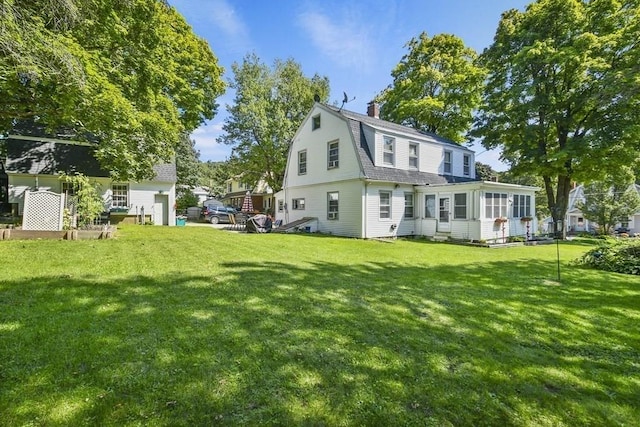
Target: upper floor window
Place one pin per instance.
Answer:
(388, 150)
(466, 165)
(120, 195)
(315, 122)
(297, 204)
(460, 206)
(333, 155)
(408, 205)
(447, 162)
(302, 162)
(385, 204)
(495, 205)
(413, 156)
(521, 206)
(229, 187)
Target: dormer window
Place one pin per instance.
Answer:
(447, 162)
(413, 156)
(388, 157)
(466, 167)
(315, 122)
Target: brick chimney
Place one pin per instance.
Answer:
(373, 110)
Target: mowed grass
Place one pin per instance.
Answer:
(187, 326)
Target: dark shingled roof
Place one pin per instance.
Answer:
(50, 158)
(47, 157)
(401, 176)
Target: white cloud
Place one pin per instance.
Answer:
(205, 138)
(344, 42)
(226, 18)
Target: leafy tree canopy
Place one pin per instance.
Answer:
(436, 87)
(130, 72)
(562, 94)
(608, 203)
(214, 175)
(485, 172)
(269, 106)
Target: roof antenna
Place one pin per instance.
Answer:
(345, 100)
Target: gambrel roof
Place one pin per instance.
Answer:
(356, 123)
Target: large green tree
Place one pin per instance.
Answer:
(436, 87)
(608, 203)
(562, 94)
(129, 72)
(268, 108)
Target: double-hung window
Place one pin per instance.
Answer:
(333, 155)
(120, 195)
(388, 150)
(460, 206)
(521, 206)
(332, 205)
(280, 205)
(408, 205)
(466, 165)
(297, 204)
(447, 162)
(413, 156)
(302, 162)
(495, 205)
(385, 204)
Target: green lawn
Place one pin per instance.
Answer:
(196, 326)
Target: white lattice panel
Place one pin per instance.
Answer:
(42, 211)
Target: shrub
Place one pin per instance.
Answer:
(617, 256)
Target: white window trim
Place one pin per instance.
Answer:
(300, 153)
(417, 156)
(332, 164)
(449, 163)
(296, 204)
(392, 151)
(333, 215)
(113, 196)
(413, 206)
(466, 206)
(466, 165)
(380, 205)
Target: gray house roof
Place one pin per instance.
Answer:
(35, 157)
(401, 176)
(46, 156)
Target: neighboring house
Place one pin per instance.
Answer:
(202, 193)
(34, 163)
(261, 194)
(575, 222)
(355, 175)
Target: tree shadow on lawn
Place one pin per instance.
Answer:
(368, 344)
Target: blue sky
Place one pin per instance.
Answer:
(355, 43)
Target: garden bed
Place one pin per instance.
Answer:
(19, 234)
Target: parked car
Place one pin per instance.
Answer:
(622, 230)
(217, 214)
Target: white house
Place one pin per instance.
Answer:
(576, 222)
(35, 162)
(356, 175)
